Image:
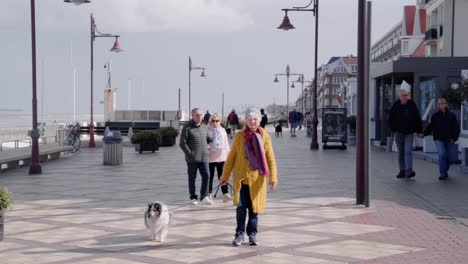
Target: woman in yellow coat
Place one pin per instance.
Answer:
(252, 163)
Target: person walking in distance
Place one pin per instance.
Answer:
(300, 119)
(206, 117)
(219, 150)
(252, 162)
(293, 122)
(404, 122)
(264, 121)
(445, 130)
(194, 143)
(233, 121)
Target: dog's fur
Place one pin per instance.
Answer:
(278, 130)
(157, 220)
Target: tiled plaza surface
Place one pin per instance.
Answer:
(80, 211)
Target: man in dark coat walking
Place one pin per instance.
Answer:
(404, 122)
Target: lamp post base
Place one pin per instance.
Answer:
(314, 146)
(35, 169)
(92, 144)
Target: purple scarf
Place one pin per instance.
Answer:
(256, 151)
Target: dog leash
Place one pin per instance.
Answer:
(219, 185)
(189, 203)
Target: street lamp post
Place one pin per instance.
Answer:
(301, 80)
(35, 167)
(287, 74)
(116, 48)
(286, 25)
(191, 67)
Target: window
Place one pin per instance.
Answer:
(427, 97)
(404, 47)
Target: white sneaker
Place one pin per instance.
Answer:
(194, 202)
(210, 196)
(206, 201)
(227, 197)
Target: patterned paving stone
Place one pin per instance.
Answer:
(61, 235)
(39, 255)
(282, 258)
(79, 211)
(360, 249)
(194, 252)
(343, 228)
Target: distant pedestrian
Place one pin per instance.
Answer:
(206, 118)
(252, 162)
(404, 122)
(264, 121)
(293, 122)
(445, 130)
(283, 120)
(219, 150)
(300, 119)
(194, 143)
(233, 121)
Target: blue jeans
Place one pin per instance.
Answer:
(192, 176)
(245, 203)
(404, 144)
(444, 158)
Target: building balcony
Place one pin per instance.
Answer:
(431, 34)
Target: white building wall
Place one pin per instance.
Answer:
(441, 12)
(461, 28)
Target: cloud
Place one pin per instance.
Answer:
(131, 15)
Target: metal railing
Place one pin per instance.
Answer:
(14, 144)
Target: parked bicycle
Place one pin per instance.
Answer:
(72, 136)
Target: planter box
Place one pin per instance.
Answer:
(168, 141)
(146, 147)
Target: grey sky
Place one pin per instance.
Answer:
(236, 40)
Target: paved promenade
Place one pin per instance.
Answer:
(79, 211)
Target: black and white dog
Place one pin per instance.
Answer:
(157, 219)
(278, 130)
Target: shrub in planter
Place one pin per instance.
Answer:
(5, 202)
(168, 136)
(147, 140)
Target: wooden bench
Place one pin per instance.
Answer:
(14, 158)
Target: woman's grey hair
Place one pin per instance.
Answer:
(252, 112)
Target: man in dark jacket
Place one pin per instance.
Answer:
(194, 143)
(293, 122)
(233, 121)
(264, 120)
(445, 130)
(206, 118)
(404, 122)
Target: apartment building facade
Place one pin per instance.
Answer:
(330, 78)
(446, 31)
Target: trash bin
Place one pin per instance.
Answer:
(112, 148)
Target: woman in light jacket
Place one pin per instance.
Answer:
(252, 163)
(219, 150)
